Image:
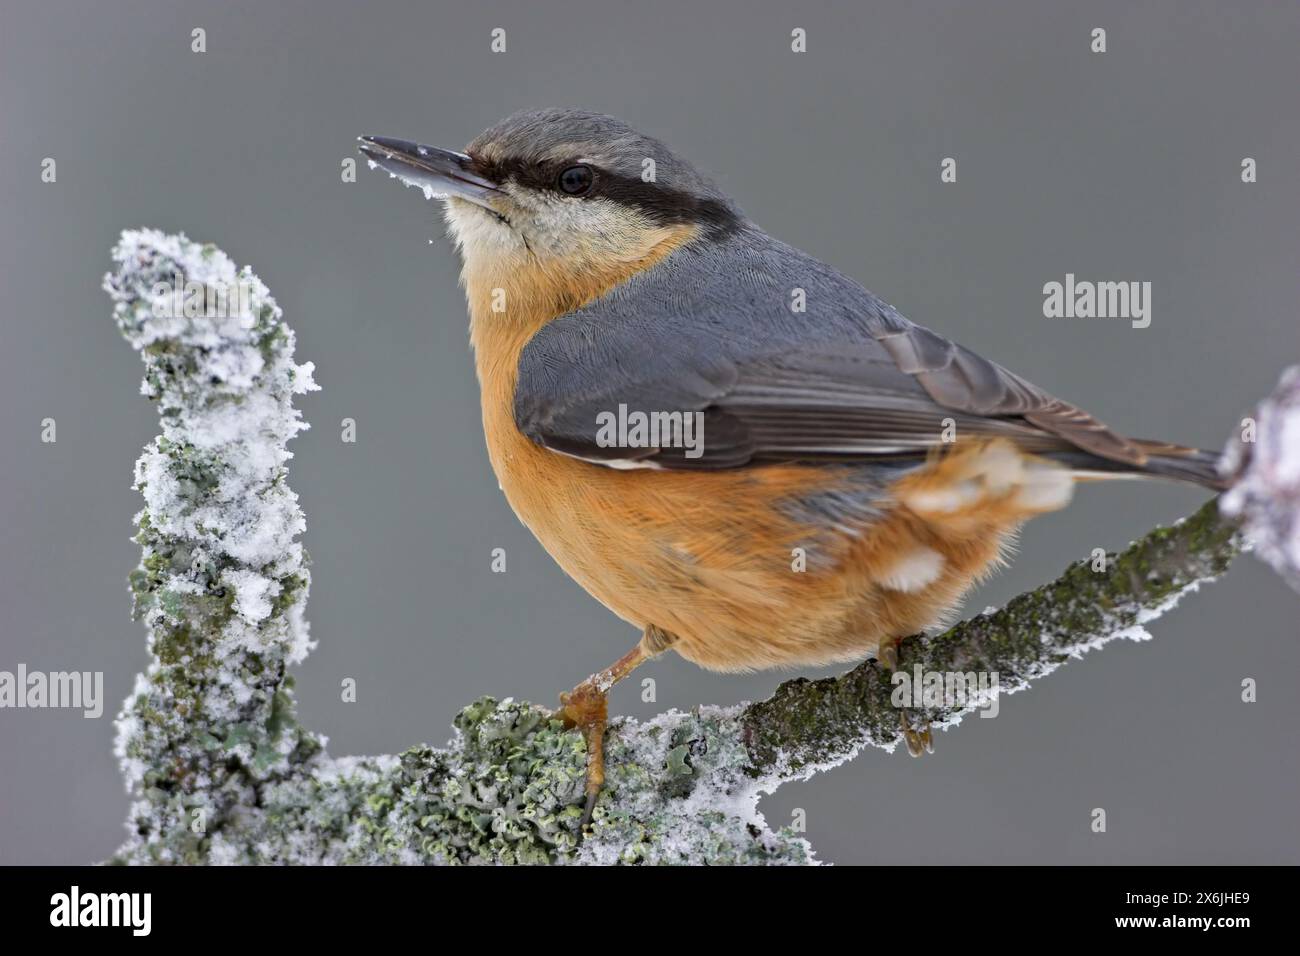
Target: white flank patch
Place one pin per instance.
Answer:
(1001, 467)
(1045, 488)
(953, 497)
(914, 571)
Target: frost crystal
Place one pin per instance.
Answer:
(1266, 492)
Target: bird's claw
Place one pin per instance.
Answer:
(918, 741)
(586, 708)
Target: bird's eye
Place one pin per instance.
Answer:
(576, 180)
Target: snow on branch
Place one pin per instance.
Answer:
(1266, 485)
(220, 770)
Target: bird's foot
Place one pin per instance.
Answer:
(586, 707)
(918, 741)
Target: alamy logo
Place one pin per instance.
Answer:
(192, 300)
(651, 430)
(83, 690)
(934, 689)
(1081, 299)
(103, 909)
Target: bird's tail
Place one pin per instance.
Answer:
(1163, 460)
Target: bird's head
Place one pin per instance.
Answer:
(567, 192)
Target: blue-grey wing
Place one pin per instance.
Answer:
(780, 358)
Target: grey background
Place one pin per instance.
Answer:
(1116, 166)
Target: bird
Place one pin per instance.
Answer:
(730, 444)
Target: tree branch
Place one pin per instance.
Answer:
(220, 770)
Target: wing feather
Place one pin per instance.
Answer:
(709, 331)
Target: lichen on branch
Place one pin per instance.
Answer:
(222, 581)
(220, 770)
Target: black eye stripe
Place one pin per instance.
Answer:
(661, 203)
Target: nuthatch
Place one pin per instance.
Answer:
(728, 443)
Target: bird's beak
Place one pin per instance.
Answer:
(439, 172)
